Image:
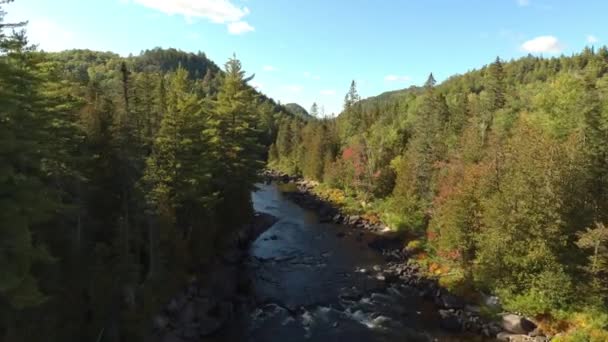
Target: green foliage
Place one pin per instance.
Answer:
(118, 178)
(502, 169)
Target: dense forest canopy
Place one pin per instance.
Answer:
(119, 178)
(501, 172)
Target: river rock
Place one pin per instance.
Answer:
(353, 219)
(177, 303)
(160, 322)
(516, 324)
(508, 337)
(450, 301)
(449, 321)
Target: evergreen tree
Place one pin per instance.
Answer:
(352, 96)
(23, 179)
(314, 110)
(233, 132)
(430, 82)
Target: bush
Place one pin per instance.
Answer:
(550, 291)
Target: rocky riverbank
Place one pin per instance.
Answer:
(205, 306)
(456, 314)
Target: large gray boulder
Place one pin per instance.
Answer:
(516, 324)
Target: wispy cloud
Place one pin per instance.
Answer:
(269, 68)
(309, 75)
(216, 11)
(543, 44)
(240, 27)
(396, 78)
(591, 39)
(523, 3)
(328, 92)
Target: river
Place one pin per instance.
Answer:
(312, 281)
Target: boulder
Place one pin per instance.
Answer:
(353, 219)
(176, 304)
(449, 321)
(351, 294)
(516, 324)
(160, 322)
(450, 301)
(508, 337)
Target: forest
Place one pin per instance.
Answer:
(117, 178)
(120, 176)
(499, 175)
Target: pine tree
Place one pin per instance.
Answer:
(495, 85)
(25, 143)
(233, 131)
(596, 240)
(430, 82)
(352, 96)
(314, 110)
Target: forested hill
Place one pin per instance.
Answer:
(119, 177)
(501, 173)
(298, 111)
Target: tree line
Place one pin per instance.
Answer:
(119, 178)
(501, 171)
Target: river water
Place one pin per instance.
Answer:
(313, 281)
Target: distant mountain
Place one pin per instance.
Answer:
(298, 111)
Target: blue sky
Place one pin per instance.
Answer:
(309, 50)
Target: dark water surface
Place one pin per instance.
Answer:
(301, 274)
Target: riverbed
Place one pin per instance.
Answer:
(312, 281)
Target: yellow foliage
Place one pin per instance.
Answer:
(371, 217)
(413, 245)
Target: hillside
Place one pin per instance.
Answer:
(501, 173)
(127, 171)
(298, 111)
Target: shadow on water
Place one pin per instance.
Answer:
(311, 281)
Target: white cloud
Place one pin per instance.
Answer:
(396, 78)
(240, 27)
(549, 44)
(591, 39)
(294, 88)
(523, 3)
(269, 68)
(309, 75)
(328, 92)
(217, 11)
